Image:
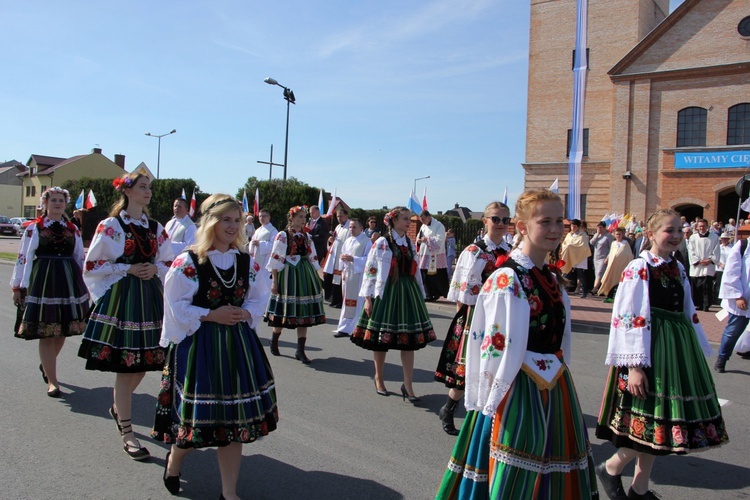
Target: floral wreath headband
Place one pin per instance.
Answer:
(123, 182)
(295, 210)
(390, 215)
(54, 190)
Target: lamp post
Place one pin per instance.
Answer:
(158, 153)
(415, 182)
(289, 96)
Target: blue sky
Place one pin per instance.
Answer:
(387, 91)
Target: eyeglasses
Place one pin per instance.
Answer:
(497, 220)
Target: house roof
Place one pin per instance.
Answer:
(44, 161)
(457, 211)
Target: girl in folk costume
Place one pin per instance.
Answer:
(126, 263)
(47, 283)
(296, 294)
(618, 258)
(660, 397)
(474, 266)
(352, 261)
(524, 435)
(217, 387)
(394, 315)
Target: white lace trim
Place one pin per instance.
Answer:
(193, 317)
(98, 288)
(472, 475)
(64, 301)
(209, 401)
(541, 467)
(499, 389)
(635, 359)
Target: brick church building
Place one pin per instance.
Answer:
(667, 109)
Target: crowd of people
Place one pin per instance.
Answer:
(186, 300)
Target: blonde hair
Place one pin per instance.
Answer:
(656, 220)
(212, 211)
(525, 205)
(495, 205)
(122, 204)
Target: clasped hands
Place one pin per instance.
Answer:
(228, 315)
(144, 270)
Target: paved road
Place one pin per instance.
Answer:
(336, 437)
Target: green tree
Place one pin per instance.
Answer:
(278, 196)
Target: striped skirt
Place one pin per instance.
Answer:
(681, 413)
(217, 388)
(534, 446)
(123, 331)
(57, 300)
(299, 301)
(398, 321)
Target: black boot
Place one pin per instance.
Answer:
(446, 416)
(300, 354)
(275, 344)
(720, 365)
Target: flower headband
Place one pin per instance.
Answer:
(294, 210)
(390, 215)
(123, 182)
(54, 190)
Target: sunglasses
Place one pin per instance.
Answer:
(497, 220)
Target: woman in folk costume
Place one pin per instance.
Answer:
(296, 300)
(217, 387)
(126, 263)
(660, 397)
(524, 435)
(48, 285)
(474, 266)
(618, 258)
(352, 261)
(394, 315)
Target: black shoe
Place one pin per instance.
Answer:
(172, 483)
(446, 416)
(54, 393)
(300, 356)
(612, 484)
(744, 355)
(405, 395)
(275, 344)
(720, 365)
(338, 335)
(383, 392)
(113, 414)
(44, 376)
(649, 495)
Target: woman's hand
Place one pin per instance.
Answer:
(274, 287)
(637, 382)
(227, 315)
(17, 298)
(368, 306)
(144, 270)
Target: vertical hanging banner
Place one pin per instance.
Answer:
(580, 66)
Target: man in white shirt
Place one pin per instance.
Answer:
(249, 227)
(704, 253)
(735, 295)
(180, 228)
(432, 260)
(332, 273)
(600, 243)
(352, 265)
(262, 241)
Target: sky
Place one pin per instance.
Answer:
(387, 91)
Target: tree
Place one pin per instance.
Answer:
(278, 196)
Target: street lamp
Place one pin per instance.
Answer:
(289, 96)
(158, 154)
(418, 179)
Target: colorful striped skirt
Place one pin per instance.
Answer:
(398, 321)
(681, 413)
(451, 366)
(217, 388)
(57, 301)
(123, 331)
(534, 446)
(299, 301)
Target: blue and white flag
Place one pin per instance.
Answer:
(79, 201)
(555, 187)
(321, 203)
(505, 196)
(580, 66)
(183, 195)
(245, 205)
(413, 203)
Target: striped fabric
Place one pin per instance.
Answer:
(299, 301)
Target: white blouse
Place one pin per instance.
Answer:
(181, 317)
(279, 257)
(467, 278)
(378, 267)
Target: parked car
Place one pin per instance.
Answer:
(7, 227)
(20, 223)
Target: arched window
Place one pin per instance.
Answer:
(738, 124)
(691, 127)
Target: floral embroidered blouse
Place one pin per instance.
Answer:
(182, 316)
(46, 237)
(509, 320)
(379, 262)
(473, 267)
(283, 252)
(648, 281)
(108, 259)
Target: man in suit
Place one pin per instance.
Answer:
(319, 232)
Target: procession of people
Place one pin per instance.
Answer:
(187, 299)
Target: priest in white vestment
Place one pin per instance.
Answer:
(352, 265)
(180, 228)
(261, 243)
(332, 273)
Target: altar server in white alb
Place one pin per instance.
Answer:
(432, 261)
(352, 265)
(331, 268)
(262, 242)
(180, 228)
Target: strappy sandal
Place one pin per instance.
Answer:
(136, 452)
(113, 414)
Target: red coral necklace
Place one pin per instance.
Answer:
(548, 283)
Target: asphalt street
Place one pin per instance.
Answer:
(336, 438)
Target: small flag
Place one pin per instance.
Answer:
(183, 195)
(90, 200)
(555, 186)
(334, 202)
(746, 205)
(424, 199)
(79, 201)
(245, 206)
(413, 203)
(193, 206)
(256, 203)
(505, 196)
(320, 202)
